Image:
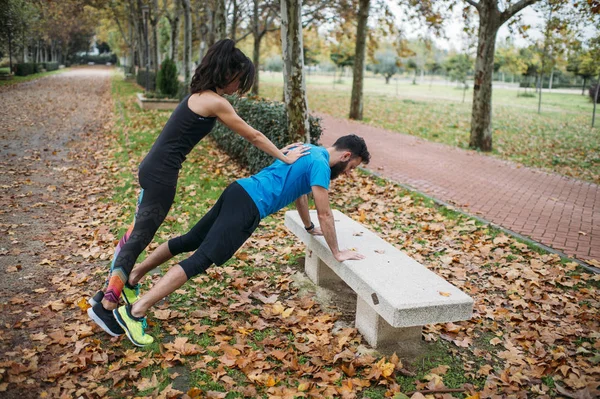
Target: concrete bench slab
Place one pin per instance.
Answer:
(396, 295)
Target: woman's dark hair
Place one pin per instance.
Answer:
(222, 64)
(356, 145)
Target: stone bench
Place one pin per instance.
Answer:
(396, 295)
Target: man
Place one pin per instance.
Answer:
(231, 221)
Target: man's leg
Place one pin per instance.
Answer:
(185, 243)
(235, 221)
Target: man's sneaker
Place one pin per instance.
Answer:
(97, 298)
(134, 326)
(105, 319)
(131, 293)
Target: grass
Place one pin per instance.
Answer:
(201, 182)
(21, 79)
(559, 139)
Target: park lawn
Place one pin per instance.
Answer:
(559, 139)
(248, 329)
(20, 79)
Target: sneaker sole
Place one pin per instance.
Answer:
(101, 323)
(124, 327)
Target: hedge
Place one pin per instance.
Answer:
(95, 58)
(267, 117)
(50, 66)
(25, 68)
(141, 79)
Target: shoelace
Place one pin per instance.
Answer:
(144, 325)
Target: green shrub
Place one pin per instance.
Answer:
(269, 118)
(166, 81)
(50, 66)
(141, 79)
(25, 68)
(96, 59)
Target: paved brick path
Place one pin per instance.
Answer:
(560, 212)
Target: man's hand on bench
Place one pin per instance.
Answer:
(348, 254)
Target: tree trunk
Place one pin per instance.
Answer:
(256, 51)
(175, 31)
(187, 40)
(293, 61)
(154, 13)
(595, 101)
(234, 20)
(583, 86)
(551, 79)
(481, 117)
(220, 20)
(140, 34)
(256, 62)
(356, 101)
(202, 32)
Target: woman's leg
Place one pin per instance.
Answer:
(155, 202)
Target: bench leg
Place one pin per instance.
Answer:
(379, 333)
(318, 271)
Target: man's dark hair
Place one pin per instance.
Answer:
(356, 145)
(222, 64)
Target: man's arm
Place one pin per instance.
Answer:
(327, 223)
(302, 207)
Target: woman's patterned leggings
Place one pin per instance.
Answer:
(154, 203)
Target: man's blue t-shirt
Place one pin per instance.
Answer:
(280, 184)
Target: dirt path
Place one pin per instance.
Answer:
(47, 150)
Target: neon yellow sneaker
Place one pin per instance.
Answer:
(131, 293)
(134, 326)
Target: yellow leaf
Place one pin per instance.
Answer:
(304, 386)
(444, 293)
(286, 313)
(271, 382)
(83, 304)
(387, 369)
(362, 216)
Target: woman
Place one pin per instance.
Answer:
(224, 70)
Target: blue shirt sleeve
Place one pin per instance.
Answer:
(320, 175)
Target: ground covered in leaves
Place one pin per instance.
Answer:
(251, 328)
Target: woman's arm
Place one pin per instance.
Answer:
(227, 115)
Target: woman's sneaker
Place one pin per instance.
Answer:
(134, 326)
(105, 319)
(131, 293)
(97, 298)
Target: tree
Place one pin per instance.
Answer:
(220, 20)
(187, 40)
(263, 21)
(458, 67)
(294, 84)
(387, 64)
(509, 60)
(173, 18)
(581, 64)
(356, 101)
(491, 18)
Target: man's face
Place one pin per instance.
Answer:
(345, 167)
